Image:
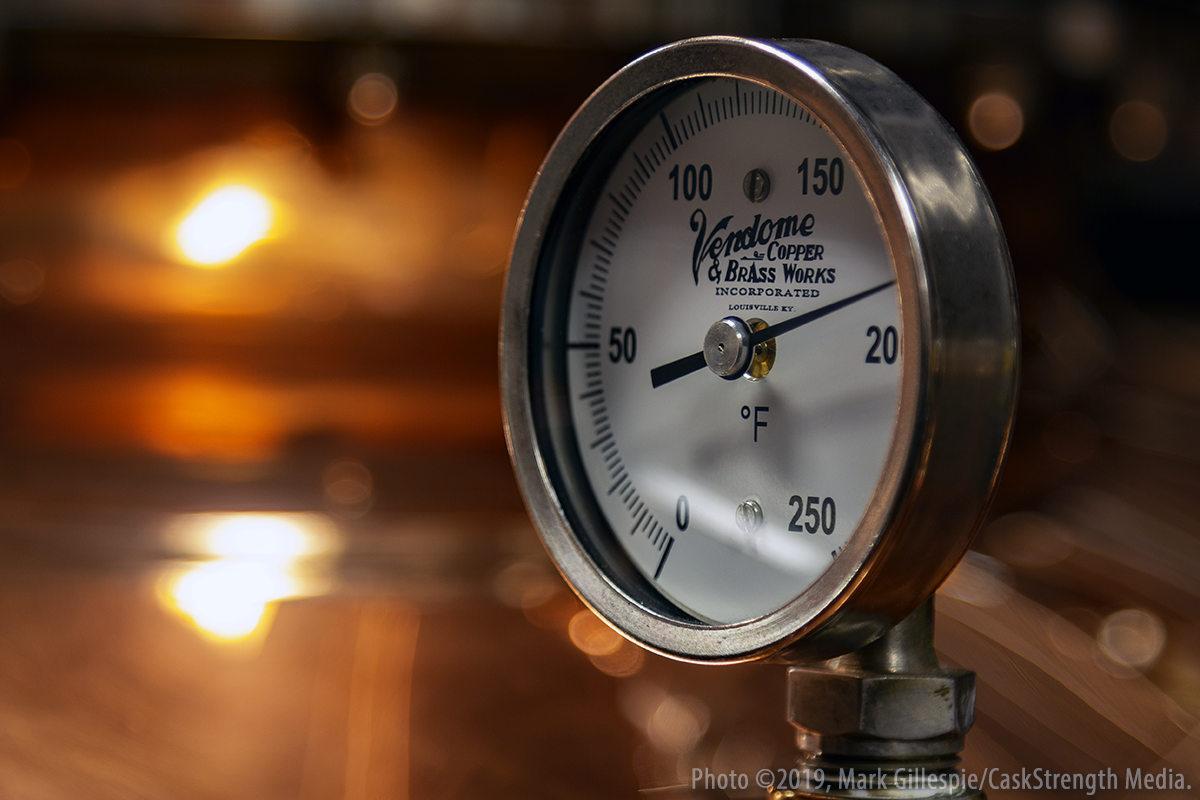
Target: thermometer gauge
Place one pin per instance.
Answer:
(758, 351)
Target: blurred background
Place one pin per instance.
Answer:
(259, 537)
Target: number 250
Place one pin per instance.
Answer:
(820, 512)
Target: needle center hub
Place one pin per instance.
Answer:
(727, 350)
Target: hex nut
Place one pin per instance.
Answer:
(900, 706)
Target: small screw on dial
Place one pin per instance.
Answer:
(756, 185)
(749, 516)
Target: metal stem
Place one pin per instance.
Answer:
(886, 721)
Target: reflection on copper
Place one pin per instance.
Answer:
(21, 281)
(223, 224)
(206, 417)
(140, 288)
(373, 98)
(1064, 633)
(378, 706)
(979, 580)
(1029, 656)
(400, 217)
(1161, 560)
(192, 415)
(996, 120)
(254, 535)
(1028, 539)
(14, 163)
(1138, 130)
(229, 600)
(196, 414)
(250, 561)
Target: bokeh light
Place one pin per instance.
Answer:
(373, 98)
(348, 486)
(1138, 130)
(1133, 637)
(228, 600)
(250, 561)
(1084, 36)
(526, 583)
(996, 120)
(628, 659)
(591, 635)
(608, 651)
(678, 724)
(21, 281)
(224, 224)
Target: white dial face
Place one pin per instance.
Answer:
(732, 495)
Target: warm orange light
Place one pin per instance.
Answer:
(255, 561)
(223, 224)
(1138, 130)
(200, 416)
(215, 417)
(996, 120)
(592, 636)
(228, 600)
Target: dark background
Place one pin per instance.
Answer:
(345, 368)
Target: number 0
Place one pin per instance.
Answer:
(682, 513)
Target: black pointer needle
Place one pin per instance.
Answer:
(694, 362)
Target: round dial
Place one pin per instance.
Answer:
(733, 492)
(758, 350)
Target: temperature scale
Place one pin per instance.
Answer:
(759, 356)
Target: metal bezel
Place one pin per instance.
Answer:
(958, 308)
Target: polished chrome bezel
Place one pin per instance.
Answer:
(960, 339)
